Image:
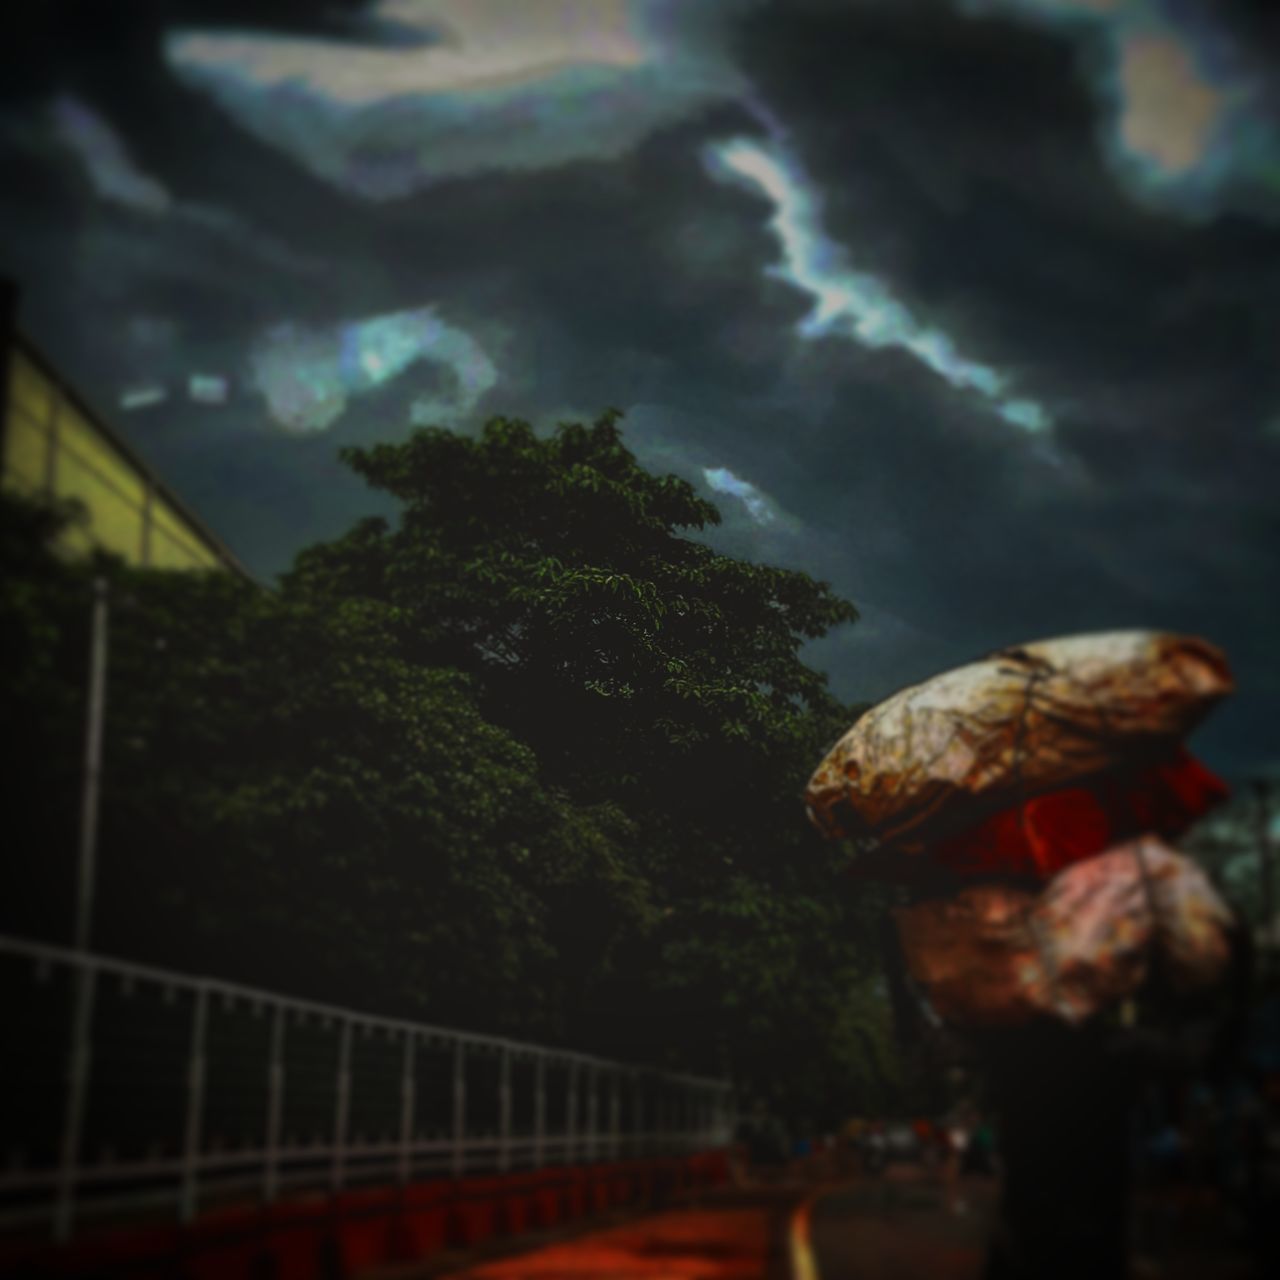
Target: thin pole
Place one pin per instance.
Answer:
(275, 1106)
(407, 1095)
(641, 1146)
(459, 1108)
(77, 1096)
(195, 1105)
(504, 1112)
(540, 1112)
(615, 1114)
(342, 1108)
(82, 998)
(571, 1117)
(87, 869)
(593, 1106)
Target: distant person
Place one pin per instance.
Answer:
(763, 1143)
(980, 1153)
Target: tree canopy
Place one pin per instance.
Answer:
(528, 758)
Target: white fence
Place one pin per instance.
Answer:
(129, 1089)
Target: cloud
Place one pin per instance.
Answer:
(1190, 108)
(758, 506)
(309, 376)
(70, 126)
(466, 46)
(852, 303)
(1170, 112)
(501, 84)
(106, 160)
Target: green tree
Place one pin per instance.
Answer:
(288, 801)
(640, 664)
(648, 671)
(44, 643)
(530, 758)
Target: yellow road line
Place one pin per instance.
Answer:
(804, 1266)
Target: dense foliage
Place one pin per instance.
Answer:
(529, 758)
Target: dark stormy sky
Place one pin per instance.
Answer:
(967, 306)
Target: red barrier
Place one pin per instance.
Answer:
(421, 1226)
(297, 1238)
(642, 1179)
(473, 1213)
(620, 1184)
(548, 1197)
(323, 1236)
(364, 1228)
(519, 1204)
(598, 1189)
(224, 1245)
(669, 1179)
(699, 1170)
(574, 1194)
(139, 1254)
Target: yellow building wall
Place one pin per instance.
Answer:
(53, 449)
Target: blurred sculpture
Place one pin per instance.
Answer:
(1025, 802)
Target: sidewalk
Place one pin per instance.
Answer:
(725, 1234)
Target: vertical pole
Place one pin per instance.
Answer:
(504, 1112)
(92, 777)
(593, 1103)
(195, 1105)
(407, 1094)
(571, 1115)
(638, 1118)
(342, 1106)
(459, 1108)
(540, 1112)
(77, 1094)
(615, 1115)
(275, 1107)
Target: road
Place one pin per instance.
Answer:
(903, 1225)
(896, 1227)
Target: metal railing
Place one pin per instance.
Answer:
(127, 1089)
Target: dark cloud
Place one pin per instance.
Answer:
(958, 160)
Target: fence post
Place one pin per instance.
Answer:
(78, 1064)
(407, 1098)
(195, 1105)
(504, 1112)
(342, 1106)
(593, 1100)
(640, 1141)
(459, 1108)
(86, 866)
(615, 1114)
(540, 1111)
(275, 1106)
(571, 1116)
